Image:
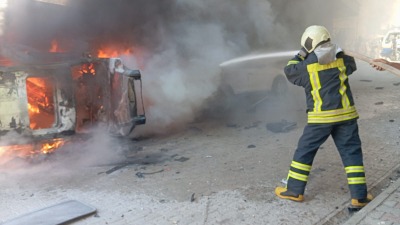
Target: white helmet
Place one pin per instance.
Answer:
(314, 36)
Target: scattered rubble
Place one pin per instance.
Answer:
(281, 127)
(141, 174)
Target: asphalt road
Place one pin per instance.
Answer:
(221, 169)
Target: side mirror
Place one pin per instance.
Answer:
(133, 73)
(140, 119)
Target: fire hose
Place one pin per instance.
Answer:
(369, 60)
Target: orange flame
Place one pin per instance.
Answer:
(40, 102)
(51, 146)
(32, 109)
(55, 47)
(28, 150)
(112, 53)
(87, 68)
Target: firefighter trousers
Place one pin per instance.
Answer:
(346, 138)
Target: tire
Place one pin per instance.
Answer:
(279, 86)
(226, 98)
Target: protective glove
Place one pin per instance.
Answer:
(302, 53)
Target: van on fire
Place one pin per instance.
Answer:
(52, 95)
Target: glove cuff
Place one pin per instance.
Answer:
(303, 53)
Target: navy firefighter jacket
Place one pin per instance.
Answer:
(328, 95)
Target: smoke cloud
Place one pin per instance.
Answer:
(179, 44)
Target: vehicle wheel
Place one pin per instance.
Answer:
(279, 86)
(227, 97)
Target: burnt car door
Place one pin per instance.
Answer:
(125, 99)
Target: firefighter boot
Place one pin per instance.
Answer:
(284, 193)
(359, 203)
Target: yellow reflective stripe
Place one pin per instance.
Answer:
(354, 169)
(356, 180)
(343, 88)
(298, 176)
(313, 70)
(331, 116)
(292, 62)
(316, 85)
(316, 67)
(301, 166)
(333, 119)
(334, 112)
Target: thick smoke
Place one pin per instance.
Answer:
(187, 69)
(178, 44)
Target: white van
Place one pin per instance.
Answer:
(391, 45)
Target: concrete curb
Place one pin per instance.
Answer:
(341, 215)
(359, 216)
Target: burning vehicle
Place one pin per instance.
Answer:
(46, 97)
(54, 85)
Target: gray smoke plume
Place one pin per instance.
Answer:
(181, 43)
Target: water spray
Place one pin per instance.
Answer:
(292, 53)
(258, 57)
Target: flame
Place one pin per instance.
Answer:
(33, 109)
(29, 150)
(55, 47)
(51, 146)
(40, 102)
(16, 150)
(112, 53)
(87, 68)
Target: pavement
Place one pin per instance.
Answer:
(217, 173)
(383, 210)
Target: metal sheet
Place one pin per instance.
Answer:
(54, 215)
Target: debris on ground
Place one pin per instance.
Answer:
(57, 214)
(232, 125)
(378, 103)
(181, 159)
(254, 124)
(281, 127)
(141, 174)
(115, 168)
(192, 198)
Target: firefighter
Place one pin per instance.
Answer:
(322, 69)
